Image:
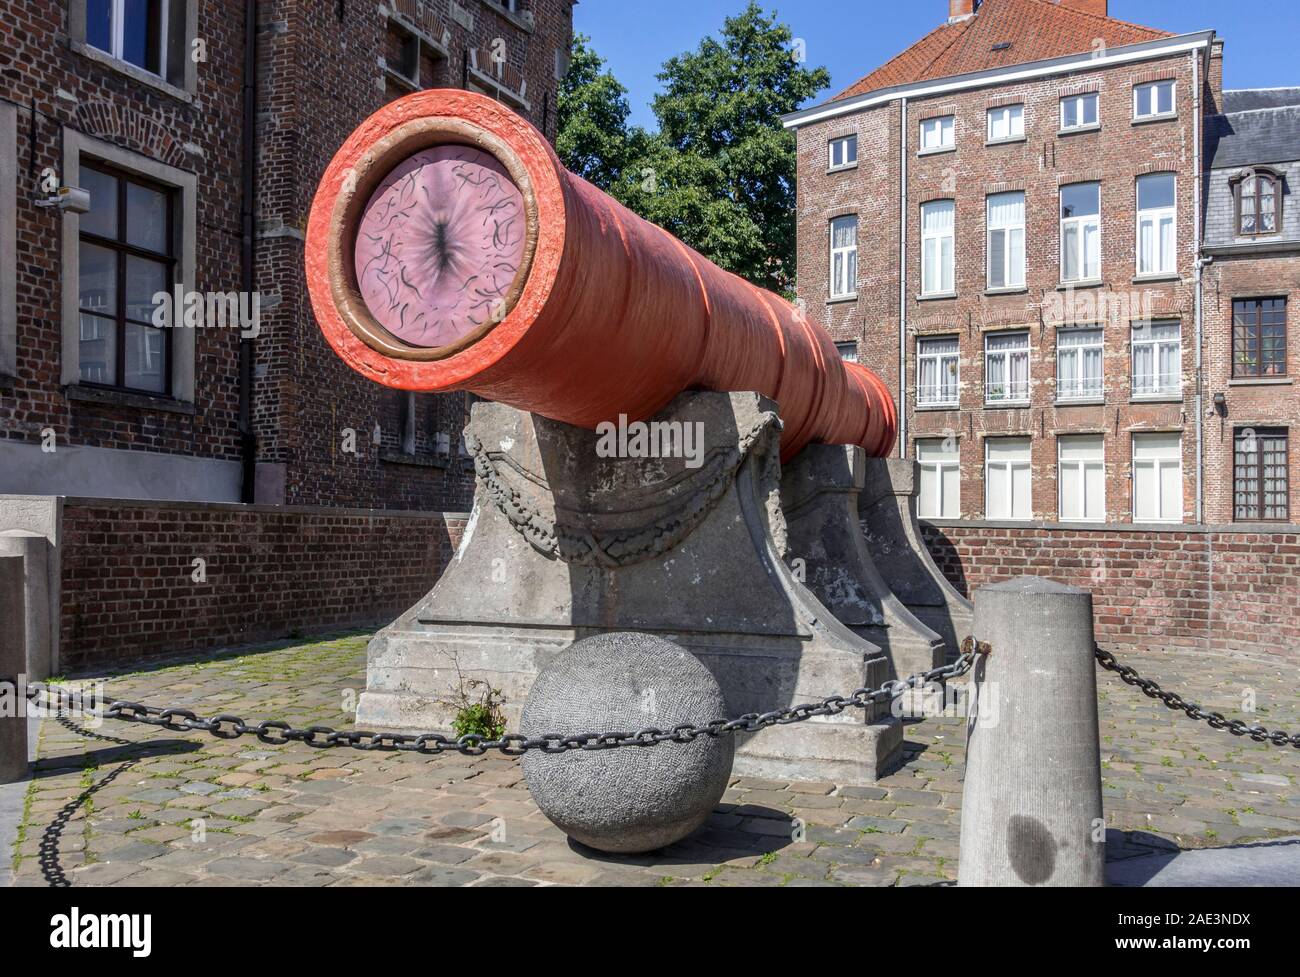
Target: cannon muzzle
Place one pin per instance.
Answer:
(448, 249)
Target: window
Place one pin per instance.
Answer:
(1006, 240)
(149, 34)
(936, 372)
(1079, 111)
(937, 224)
(1081, 478)
(1079, 364)
(1157, 478)
(1006, 123)
(1006, 368)
(937, 134)
(1156, 237)
(1157, 359)
(126, 257)
(1153, 100)
(1259, 204)
(1260, 484)
(848, 351)
(1080, 232)
(844, 257)
(1259, 338)
(843, 152)
(1007, 477)
(940, 496)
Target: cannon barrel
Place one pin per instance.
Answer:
(448, 249)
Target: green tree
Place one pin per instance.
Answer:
(592, 109)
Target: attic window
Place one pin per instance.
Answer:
(1002, 46)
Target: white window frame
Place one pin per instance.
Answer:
(1012, 277)
(848, 350)
(1080, 468)
(75, 145)
(1151, 86)
(850, 254)
(842, 142)
(941, 471)
(1158, 466)
(1078, 101)
(937, 123)
(1011, 468)
(941, 360)
(938, 238)
(1080, 225)
(1156, 389)
(1155, 216)
(1015, 119)
(1083, 390)
(186, 75)
(1012, 389)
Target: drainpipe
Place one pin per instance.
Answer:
(902, 278)
(247, 251)
(1196, 238)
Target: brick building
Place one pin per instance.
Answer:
(1028, 281)
(199, 129)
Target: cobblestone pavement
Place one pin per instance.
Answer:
(121, 804)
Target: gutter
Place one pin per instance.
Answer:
(902, 278)
(1145, 51)
(1196, 240)
(248, 251)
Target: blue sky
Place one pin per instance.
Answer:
(851, 37)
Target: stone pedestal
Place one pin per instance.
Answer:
(564, 541)
(887, 506)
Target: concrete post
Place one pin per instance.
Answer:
(1031, 809)
(13, 662)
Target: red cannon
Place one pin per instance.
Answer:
(448, 249)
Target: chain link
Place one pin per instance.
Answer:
(1216, 720)
(277, 732)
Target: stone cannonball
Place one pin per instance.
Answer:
(631, 798)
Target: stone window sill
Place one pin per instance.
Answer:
(838, 299)
(936, 151)
(1014, 290)
(1006, 405)
(1150, 279)
(131, 71)
(1157, 399)
(126, 398)
(841, 169)
(523, 19)
(1005, 142)
(1081, 402)
(1254, 382)
(1078, 130)
(1087, 283)
(922, 408)
(1162, 117)
(936, 297)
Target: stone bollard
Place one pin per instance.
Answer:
(1031, 808)
(13, 662)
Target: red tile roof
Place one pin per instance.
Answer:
(1036, 29)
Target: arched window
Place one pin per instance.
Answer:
(1259, 203)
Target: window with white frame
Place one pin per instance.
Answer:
(1081, 478)
(936, 371)
(1006, 240)
(1006, 368)
(940, 495)
(1153, 99)
(1006, 122)
(848, 351)
(1157, 359)
(149, 34)
(938, 219)
(1079, 364)
(1156, 236)
(1079, 112)
(938, 133)
(1007, 479)
(1080, 232)
(844, 256)
(1157, 478)
(843, 152)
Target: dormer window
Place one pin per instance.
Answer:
(1259, 203)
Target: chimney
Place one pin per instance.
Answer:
(961, 9)
(1097, 7)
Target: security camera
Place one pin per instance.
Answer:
(74, 200)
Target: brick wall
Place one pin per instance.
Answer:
(1225, 588)
(129, 588)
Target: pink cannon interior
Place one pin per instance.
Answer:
(439, 245)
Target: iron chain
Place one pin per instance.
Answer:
(1216, 720)
(278, 732)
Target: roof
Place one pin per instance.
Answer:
(1037, 30)
(1263, 135)
(1249, 99)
